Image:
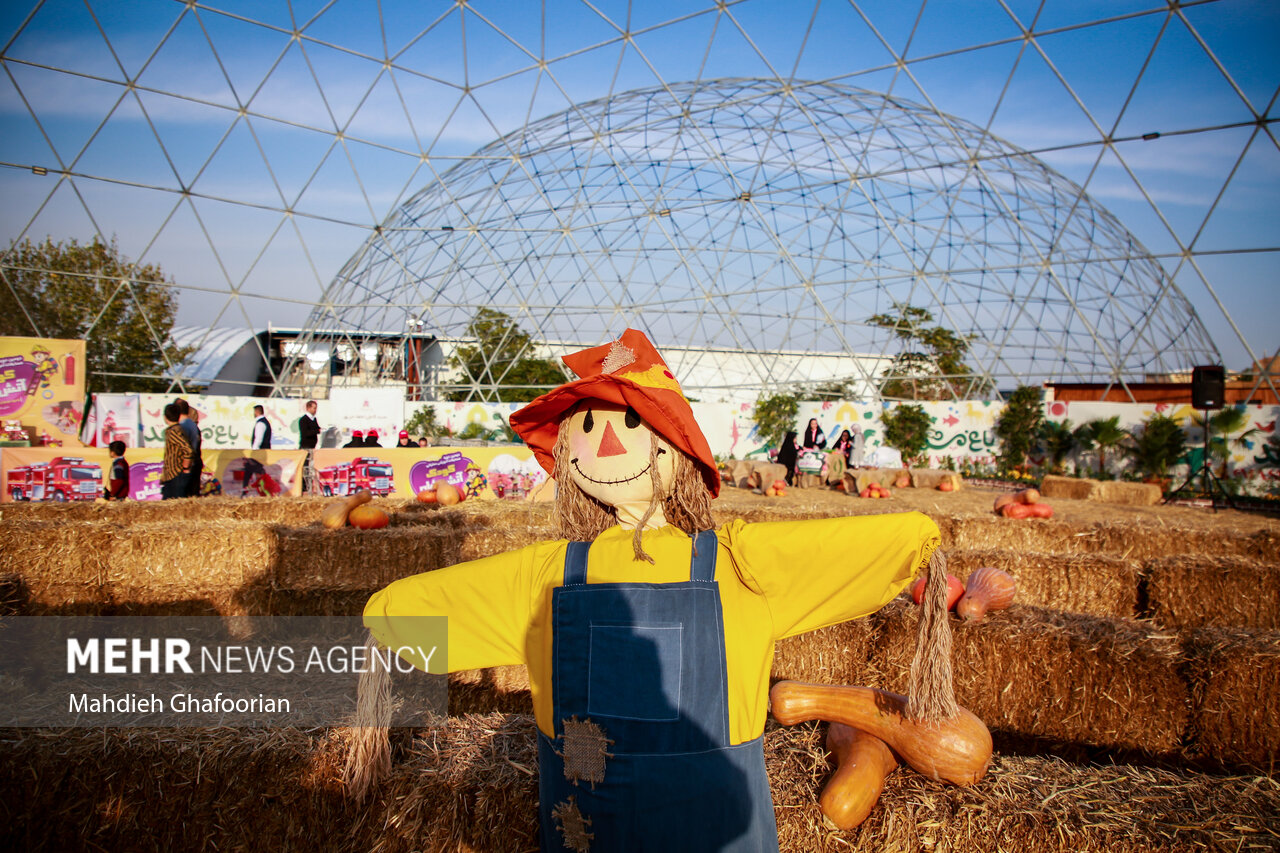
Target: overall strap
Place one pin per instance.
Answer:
(575, 563)
(703, 566)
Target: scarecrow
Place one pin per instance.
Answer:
(648, 634)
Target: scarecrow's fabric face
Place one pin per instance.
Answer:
(610, 455)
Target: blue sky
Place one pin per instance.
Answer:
(346, 119)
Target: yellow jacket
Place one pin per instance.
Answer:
(776, 579)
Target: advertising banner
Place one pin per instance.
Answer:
(507, 473)
(111, 417)
(54, 474)
(227, 422)
(253, 473)
(42, 386)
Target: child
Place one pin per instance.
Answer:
(118, 480)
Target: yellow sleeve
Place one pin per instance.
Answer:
(488, 603)
(819, 572)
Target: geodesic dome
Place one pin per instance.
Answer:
(761, 217)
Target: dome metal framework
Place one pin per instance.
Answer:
(761, 217)
(384, 172)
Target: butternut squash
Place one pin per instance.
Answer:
(862, 763)
(985, 589)
(335, 514)
(955, 750)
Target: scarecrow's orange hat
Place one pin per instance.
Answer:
(628, 372)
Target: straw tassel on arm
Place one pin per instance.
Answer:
(369, 756)
(932, 697)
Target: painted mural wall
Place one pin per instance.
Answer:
(963, 434)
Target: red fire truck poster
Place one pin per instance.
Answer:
(508, 473)
(80, 474)
(42, 390)
(68, 474)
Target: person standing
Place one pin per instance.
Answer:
(405, 441)
(118, 479)
(814, 437)
(261, 430)
(176, 473)
(371, 439)
(357, 439)
(787, 456)
(191, 429)
(308, 427)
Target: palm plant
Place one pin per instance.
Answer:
(1103, 435)
(1056, 439)
(1159, 444)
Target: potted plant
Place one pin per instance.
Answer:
(1017, 425)
(1159, 444)
(1103, 435)
(1057, 439)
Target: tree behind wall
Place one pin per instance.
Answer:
(500, 367)
(774, 415)
(123, 311)
(932, 366)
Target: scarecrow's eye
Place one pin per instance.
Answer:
(631, 418)
(588, 423)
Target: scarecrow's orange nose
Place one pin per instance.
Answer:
(609, 444)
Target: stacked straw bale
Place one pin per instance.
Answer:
(1093, 583)
(1235, 687)
(931, 478)
(470, 784)
(1141, 540)
(1074, 488)
(1200, 590)
(57, 565)
(1048, 674)
(835, 655)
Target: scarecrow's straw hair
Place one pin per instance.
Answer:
(580, 517)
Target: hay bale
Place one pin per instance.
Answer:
(1041, 673)
(156, 563)
(470, 783)
(1039, 535)
(834, 655)
(1235, 691)
(1142, 540)
(1197, 591)
(1097, 584)
(931, 478)
(59, 564)
(1075, 488)
(1128, 494)
(857, 479)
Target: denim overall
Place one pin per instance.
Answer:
(641, 760)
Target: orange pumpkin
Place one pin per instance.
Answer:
(369, 517)
(448, 494)
(946, 485)
(427, 496)
(955, 589)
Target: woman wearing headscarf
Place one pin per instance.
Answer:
(788, 456)
(814, 436)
